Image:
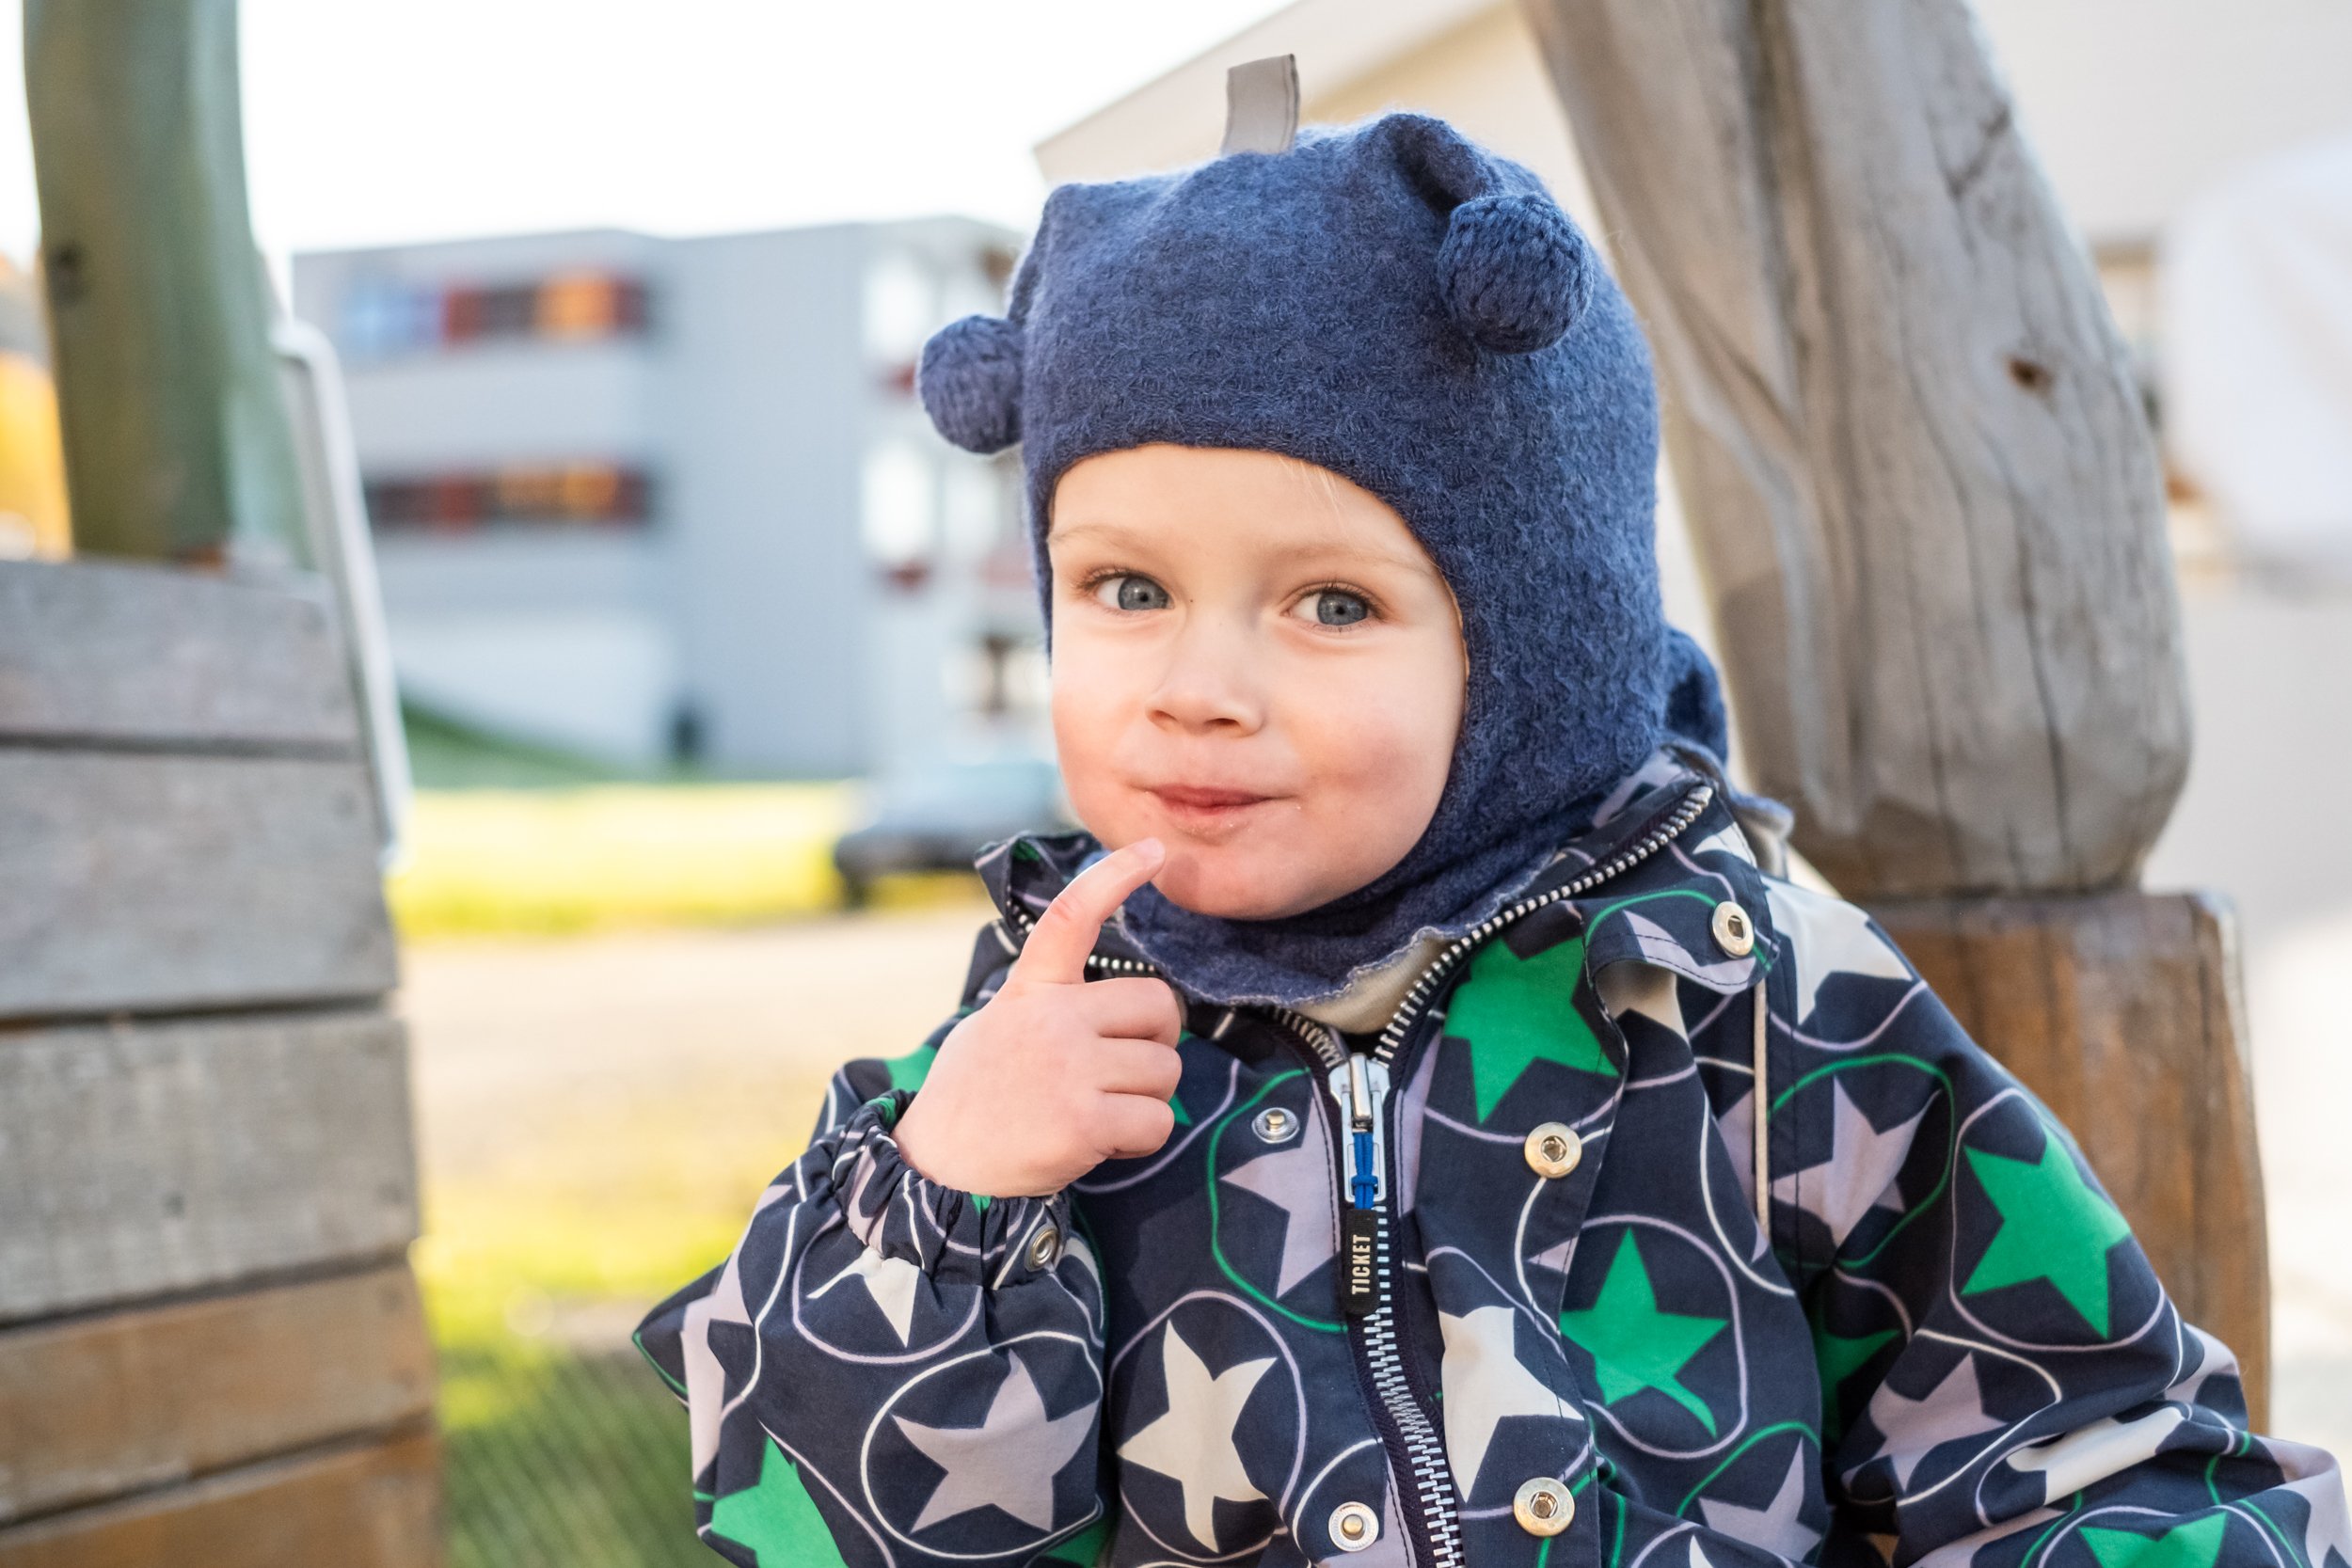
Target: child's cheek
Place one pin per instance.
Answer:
(1088, 717)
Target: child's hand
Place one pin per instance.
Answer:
(1055, 1074)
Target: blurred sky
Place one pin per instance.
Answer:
(382, 121)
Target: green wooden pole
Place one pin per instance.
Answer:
(178, 446)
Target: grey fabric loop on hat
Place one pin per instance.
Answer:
(1261, 105)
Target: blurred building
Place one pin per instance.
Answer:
(655, 498)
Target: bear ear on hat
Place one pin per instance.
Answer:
(1514, 271)
(969, 380)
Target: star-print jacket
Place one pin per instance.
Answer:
(1492, 1288)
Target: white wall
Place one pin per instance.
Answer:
(2136, 105)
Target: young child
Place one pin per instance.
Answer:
(1432, 1132)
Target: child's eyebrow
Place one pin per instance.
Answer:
(1107, 531)
(1320, 548)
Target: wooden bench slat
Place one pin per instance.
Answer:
(373, 1506)
(124, 653)
(147, 1158)
(92, 1408)
(142, 883)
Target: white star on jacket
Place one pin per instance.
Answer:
(1192, 1442)
(1009, 1460)
(1775, 1527)
(890, 1282)
(1908, 1428)
(1294, 1180)
(705, 1380)
(1829, 936)
(1859, 1174)
(1484, 1384)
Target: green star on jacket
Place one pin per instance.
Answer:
(1509, 1012)
(1634, 1345)
(2054, 1226)
(777, 1518)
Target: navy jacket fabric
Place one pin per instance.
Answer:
(1531, 1288)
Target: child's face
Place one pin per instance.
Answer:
(1255, 663)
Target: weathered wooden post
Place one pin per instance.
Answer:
(1926, 503)
(212, 1349)
(176, 442)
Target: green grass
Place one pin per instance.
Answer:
(595, 857)
(448, 753)
(562, 1448)
(565, 1460)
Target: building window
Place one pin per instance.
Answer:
(897, 514)
(548, 495)
(380, 317)
(901, 308)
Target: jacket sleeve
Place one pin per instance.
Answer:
(2005, 1383)
(886, 1369)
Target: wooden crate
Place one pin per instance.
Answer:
(211, 1345)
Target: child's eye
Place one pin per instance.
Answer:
(1336, 607)
(1130, 591)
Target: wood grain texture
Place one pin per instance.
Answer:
(131, 882)
(1904, 430)
(2124, 1013)
(370, 1506)
(93, 1407)
(140, 1158)
(116, 653)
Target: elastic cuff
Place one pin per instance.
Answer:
(949, 1234)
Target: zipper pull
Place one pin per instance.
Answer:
(1358, 1088)
(1364, 1181)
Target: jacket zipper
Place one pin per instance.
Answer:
(1358, 1086)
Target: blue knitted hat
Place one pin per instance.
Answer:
(1390, 302)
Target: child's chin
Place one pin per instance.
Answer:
(1230, 891)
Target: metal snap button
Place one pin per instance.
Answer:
(1275, 1124)
(1044, 1246)
(1734, 933)
(1543, 1506)
(1353, 1527)
(1553, 1149)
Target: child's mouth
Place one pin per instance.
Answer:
(1197, 807)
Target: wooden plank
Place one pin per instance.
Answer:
(149, 654)
(130, 881)
(92, 1408)
(2122, 1012)
(137, 1159)
(373, 1506)
(1905, 431)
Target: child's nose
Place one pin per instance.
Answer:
(1208, 685)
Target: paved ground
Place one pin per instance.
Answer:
(630, 1077)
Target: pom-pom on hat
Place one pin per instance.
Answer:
(1394, 302)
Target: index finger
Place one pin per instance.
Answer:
(1056, 953)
